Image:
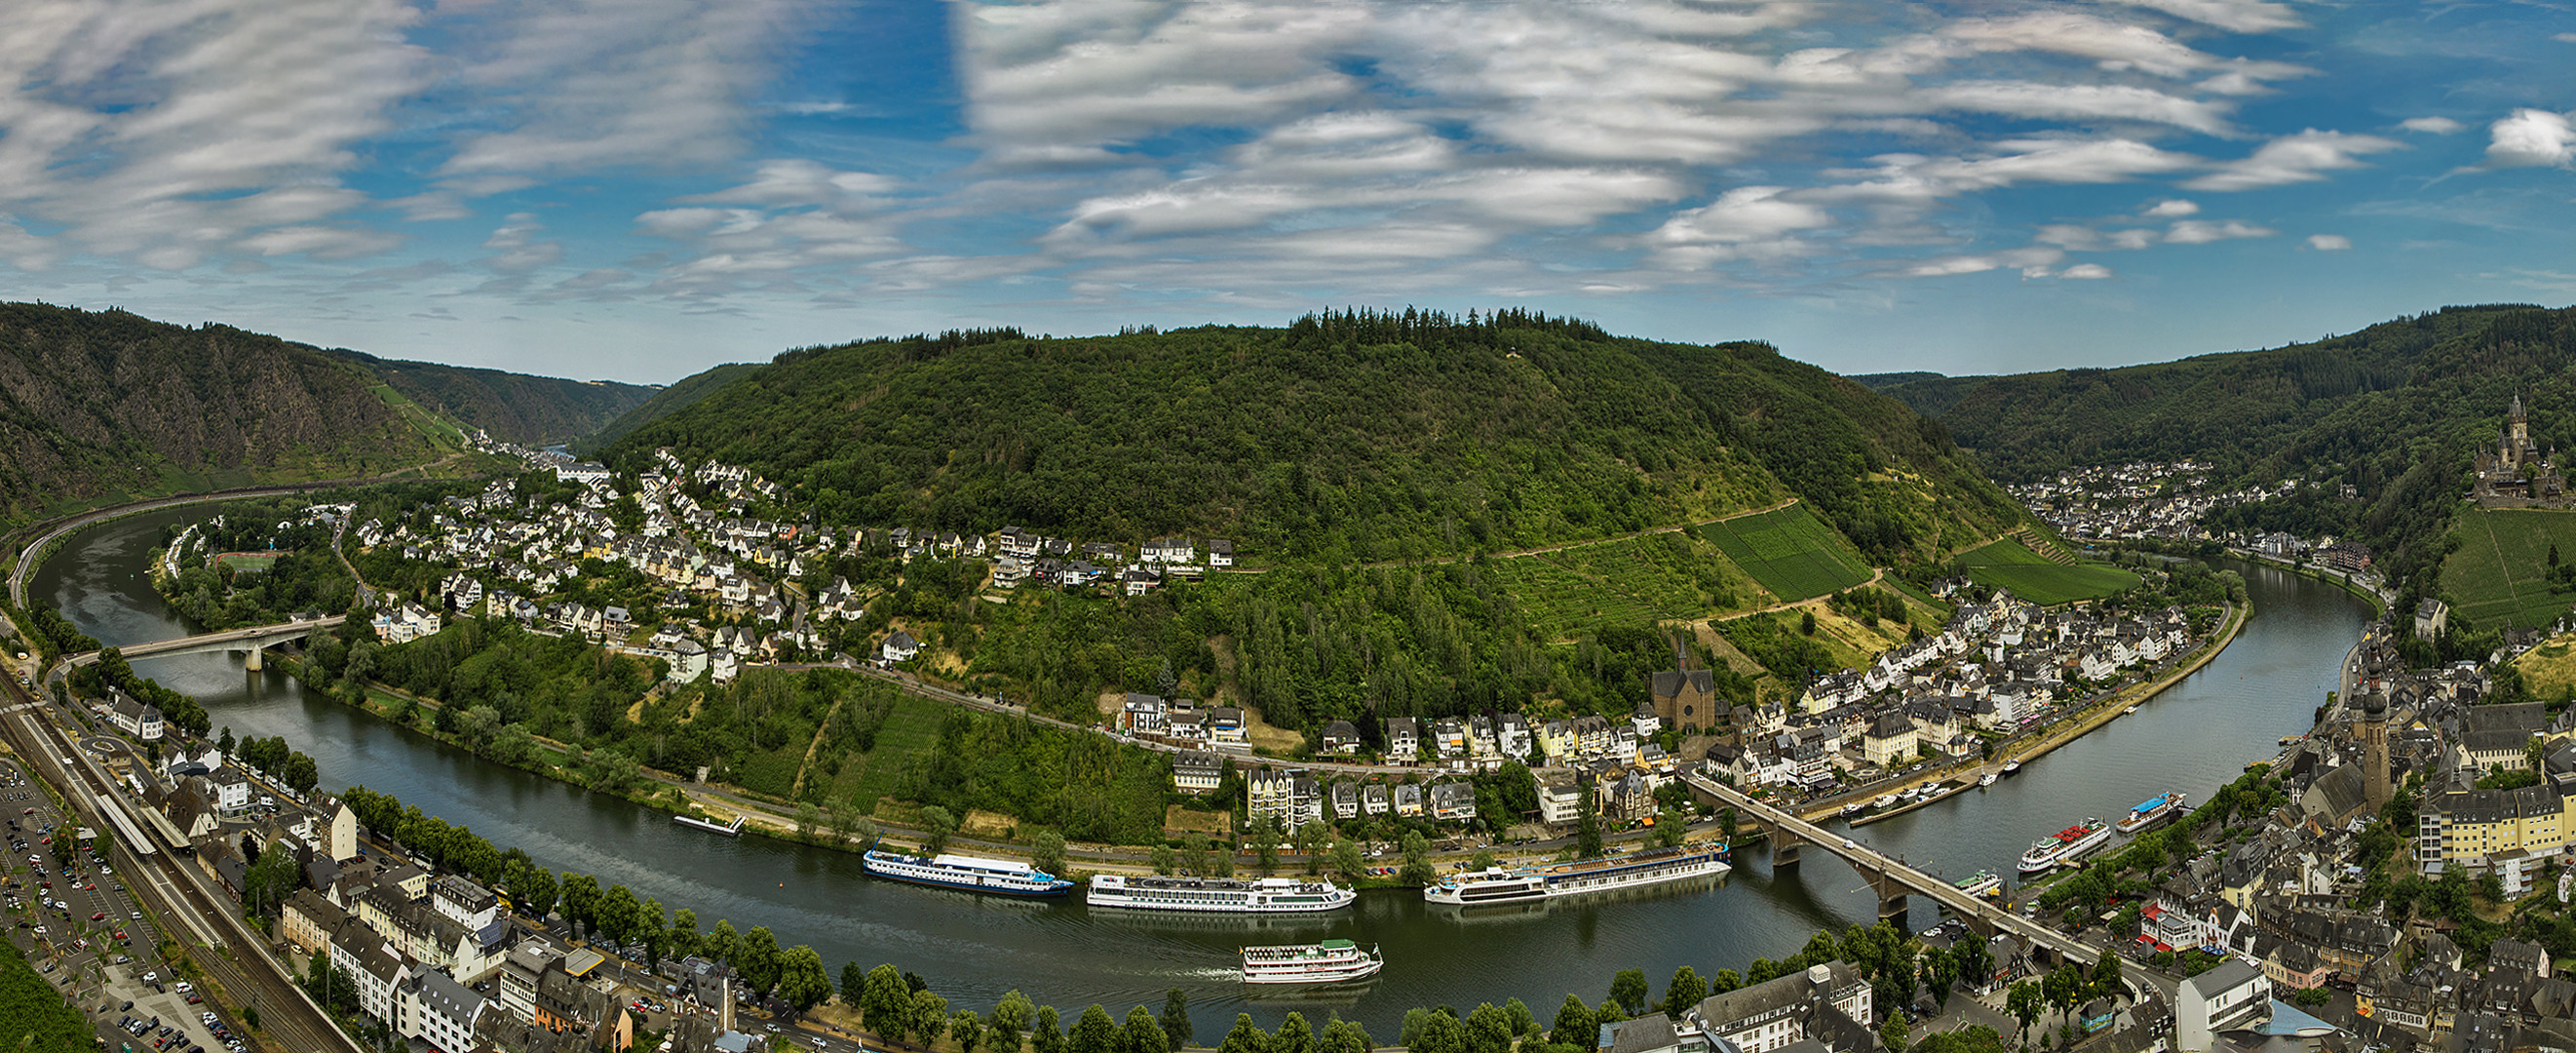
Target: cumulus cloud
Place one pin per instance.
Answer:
(2435, 125)
(2202, 232)
(2531, 138)
(519, 250)
(2304, 157)
(1745, 221)
(2329, 242)
(2171, 207)
(2085, 272)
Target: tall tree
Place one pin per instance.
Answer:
(801, 979)
(1144, 1033)
(1628, 990)
(1574, 1025)
(1176, 1019)
(1095, 1032)
(758, 959)
(1684, 992)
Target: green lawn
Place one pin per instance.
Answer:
(239, 561)
(38, 1021)
(2498, 574)
(2010, 564)
(1790, 551)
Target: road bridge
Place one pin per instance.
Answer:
(253, 641)
(1894, 881)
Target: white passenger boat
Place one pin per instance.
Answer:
(1983, 883)
(972, 873)
(2065, 846)
(1332, 961)
(1499, 885)
(1218, 895)
(733, 829)
(2152, 811)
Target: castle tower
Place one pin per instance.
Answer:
(2374, 747)
(2517, 431)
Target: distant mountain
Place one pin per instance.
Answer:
(528, 410)
(2395, 410)
(1884, 381)
(100, 406)
(663, 403)
(1371, 436)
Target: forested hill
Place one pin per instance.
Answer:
(2395, 409)
(1360, 436)
(99, 406)
(517, 407)
(679, 396)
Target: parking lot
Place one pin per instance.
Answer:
(67, 907)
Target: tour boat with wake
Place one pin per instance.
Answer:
(1500, 885)
(1332, 961)
(1218, 895)
(732, 829)
(2152, 811)
(971, 873)
(2065, 846)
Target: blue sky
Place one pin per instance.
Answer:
(639, 189)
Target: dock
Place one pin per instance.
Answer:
(1864, 820)
(733, 829)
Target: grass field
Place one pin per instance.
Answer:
(246, 561)
(2498, 573)
(34, 1010)
(2549, 670)
(1790, 551)
(1634, 581)
(2010, 564)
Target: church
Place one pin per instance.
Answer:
(2517, 473)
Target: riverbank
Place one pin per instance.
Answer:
(2067, 729)
(2378, 604)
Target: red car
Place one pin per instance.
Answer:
(98, 915)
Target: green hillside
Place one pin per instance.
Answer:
(1343, 436)
(2395, 410)
(663, 403)
(2012, 565)
(2499, 571)
(517, 407)
(1790, 552)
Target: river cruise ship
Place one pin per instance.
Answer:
(2153, 811)
(972, 873)
(1499, 885)
(2065, 846)
(1329, 962)
(1982, 883)
(1218, 895)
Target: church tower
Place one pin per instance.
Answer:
(2374, 748)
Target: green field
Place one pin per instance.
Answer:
(1790, 551)
(2010, 564)
(910, 731)
(34, 1009)
(1629, 582)
(2498, 574)
(250, 561)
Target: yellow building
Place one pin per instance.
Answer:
(2471, 827)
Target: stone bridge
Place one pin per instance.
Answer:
(252, 641)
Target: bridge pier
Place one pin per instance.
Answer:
(1784, 847)
(1891, 894)
(250, 662)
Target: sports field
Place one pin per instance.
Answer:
(1789, 551)
(2499, 574)
(259, 561)
(2010, 564)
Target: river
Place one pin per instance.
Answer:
(2194, 738)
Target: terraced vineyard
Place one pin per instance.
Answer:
(2499, 573)
(2012, 565)
(1790, 551)
(1634, 581)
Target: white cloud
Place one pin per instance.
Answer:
(2202, 232)
(2115, 45)
(2086, 272)
(2085, 102)
(520, 251)
(2299, 158)
(1745, 221)
(2171, 207)
(2241, 16)
(2435, 125)
(2531, 138)
(2329, 242)
(1972, 263)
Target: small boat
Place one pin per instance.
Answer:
(1987, 779)
(1854, 808)
(2011, 767)
(732, 829)
(2131, 709)
(1883, 801)
(1332, 961)
(1982, 883)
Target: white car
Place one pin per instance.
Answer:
(182, 987)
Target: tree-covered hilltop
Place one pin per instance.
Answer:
(515, 407)
(1342, 437)
(103, 406)
(678, 396)
(2395, 410)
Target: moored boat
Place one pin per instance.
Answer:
(1332, 961)
(2011, 766)
(1987, 779)
(1218, 895)
(2065, 846)
(971, 873)
(1883, 801)
(2152, 811)
(733, 829)
(1854, 808)
(1499, 885)
(1982, 883)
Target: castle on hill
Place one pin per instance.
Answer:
(2517, 473)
